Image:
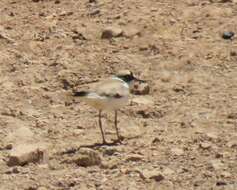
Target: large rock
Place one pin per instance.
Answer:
(27, 153)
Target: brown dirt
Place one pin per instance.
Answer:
(184, 138)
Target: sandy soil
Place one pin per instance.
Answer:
(181, 136)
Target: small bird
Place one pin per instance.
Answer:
(110, 94)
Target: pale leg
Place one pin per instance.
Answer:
(116, 123)
(101, 129)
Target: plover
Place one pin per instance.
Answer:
(111, 94)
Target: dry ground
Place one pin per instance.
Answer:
(181, 136)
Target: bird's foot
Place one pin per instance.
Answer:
(105, 142)
(119, 139)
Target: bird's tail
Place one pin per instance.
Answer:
(81, 93)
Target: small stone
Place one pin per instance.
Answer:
(205, 145)
(211, 136)
(232, 144)
(228, 35)
(156, 140)
(219, 155)
(118, 16)
(177, 151)
(112, 164)
(147, 112)
(167, 172)
(165, 76)
(131, 32)
(199, 130)
(151, 174)
(157, 177)
(31, 187)
(182, 170)
(140, 88)
(111, 32)
(87, 157)
(225, 174)
(179, 89)
(144, 47)
(154, 9)
(27, 153)
(78, 36)
(42, 14)
(95, 12)
(14, 170)
(134, 158)
(66, 13)
(216, 164)
(109, 151)
(233, 53)
(8, 147)
(232, 115)
(220, 183)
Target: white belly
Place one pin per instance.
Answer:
(107, 103)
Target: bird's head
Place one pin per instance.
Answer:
(127, 76)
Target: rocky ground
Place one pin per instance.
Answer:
(181, 136)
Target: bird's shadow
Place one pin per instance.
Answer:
(92, 146)
(96, 145)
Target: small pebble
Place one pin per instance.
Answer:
(94, 12)
(205, 145)
(177, 151)
(111, 32)
(228, 35)
(220, 183)
(233, 53)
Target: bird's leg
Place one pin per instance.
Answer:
(101, 129)
(116, 125)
